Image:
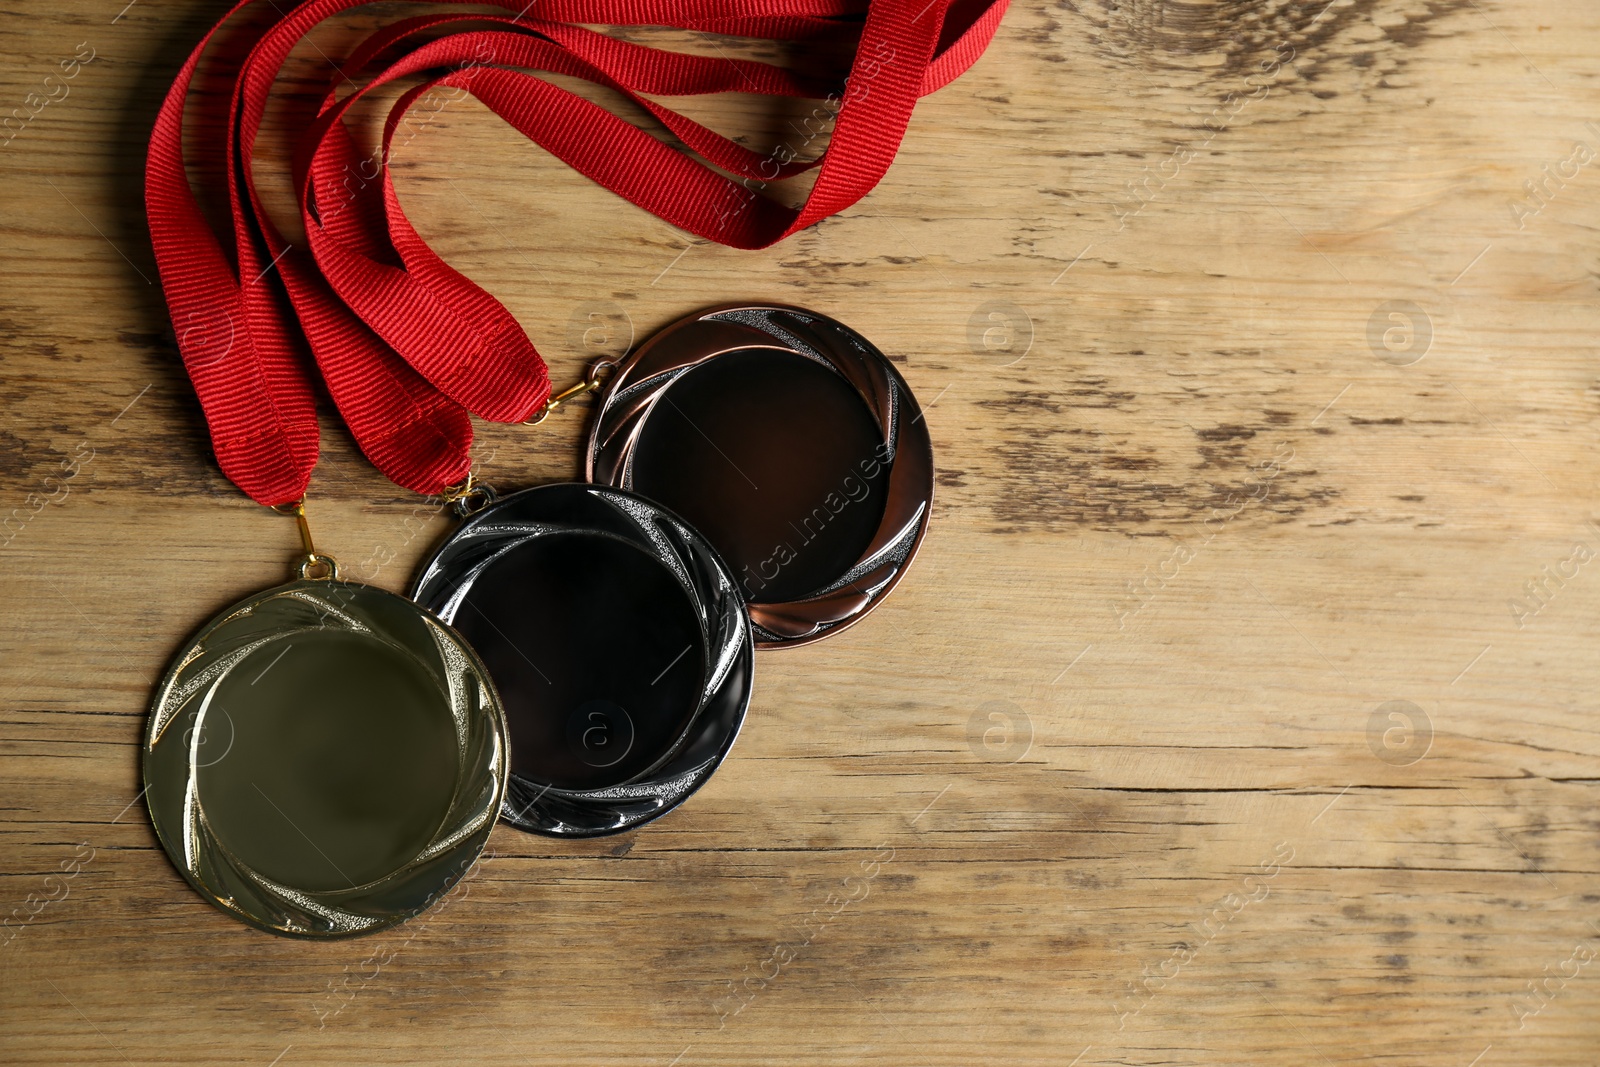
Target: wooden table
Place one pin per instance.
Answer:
(1239, 709)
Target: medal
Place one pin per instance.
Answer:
(326, 758)
(619, 641)
(763, 461)
(791, 443)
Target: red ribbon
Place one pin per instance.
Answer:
(408, 346)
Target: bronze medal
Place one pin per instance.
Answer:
(791, 443)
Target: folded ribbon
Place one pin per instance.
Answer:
(407, 346)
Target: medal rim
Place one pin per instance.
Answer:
(613, 437)
(474, 843)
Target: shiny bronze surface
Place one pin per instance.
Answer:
(791, 443)
(324, 759)
(617, 640)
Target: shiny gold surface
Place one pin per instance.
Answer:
(324, 759)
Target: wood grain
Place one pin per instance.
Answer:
(1194, 533)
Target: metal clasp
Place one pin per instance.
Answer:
(468, 498)
(591, 382)
(313, 564)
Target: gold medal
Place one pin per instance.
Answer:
(324, 758)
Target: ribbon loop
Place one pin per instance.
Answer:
(406, 345)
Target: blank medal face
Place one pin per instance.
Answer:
(597, 651)
(325, 759)
(768, 454)
(791, 443)
(618, 642)
(339, 785)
